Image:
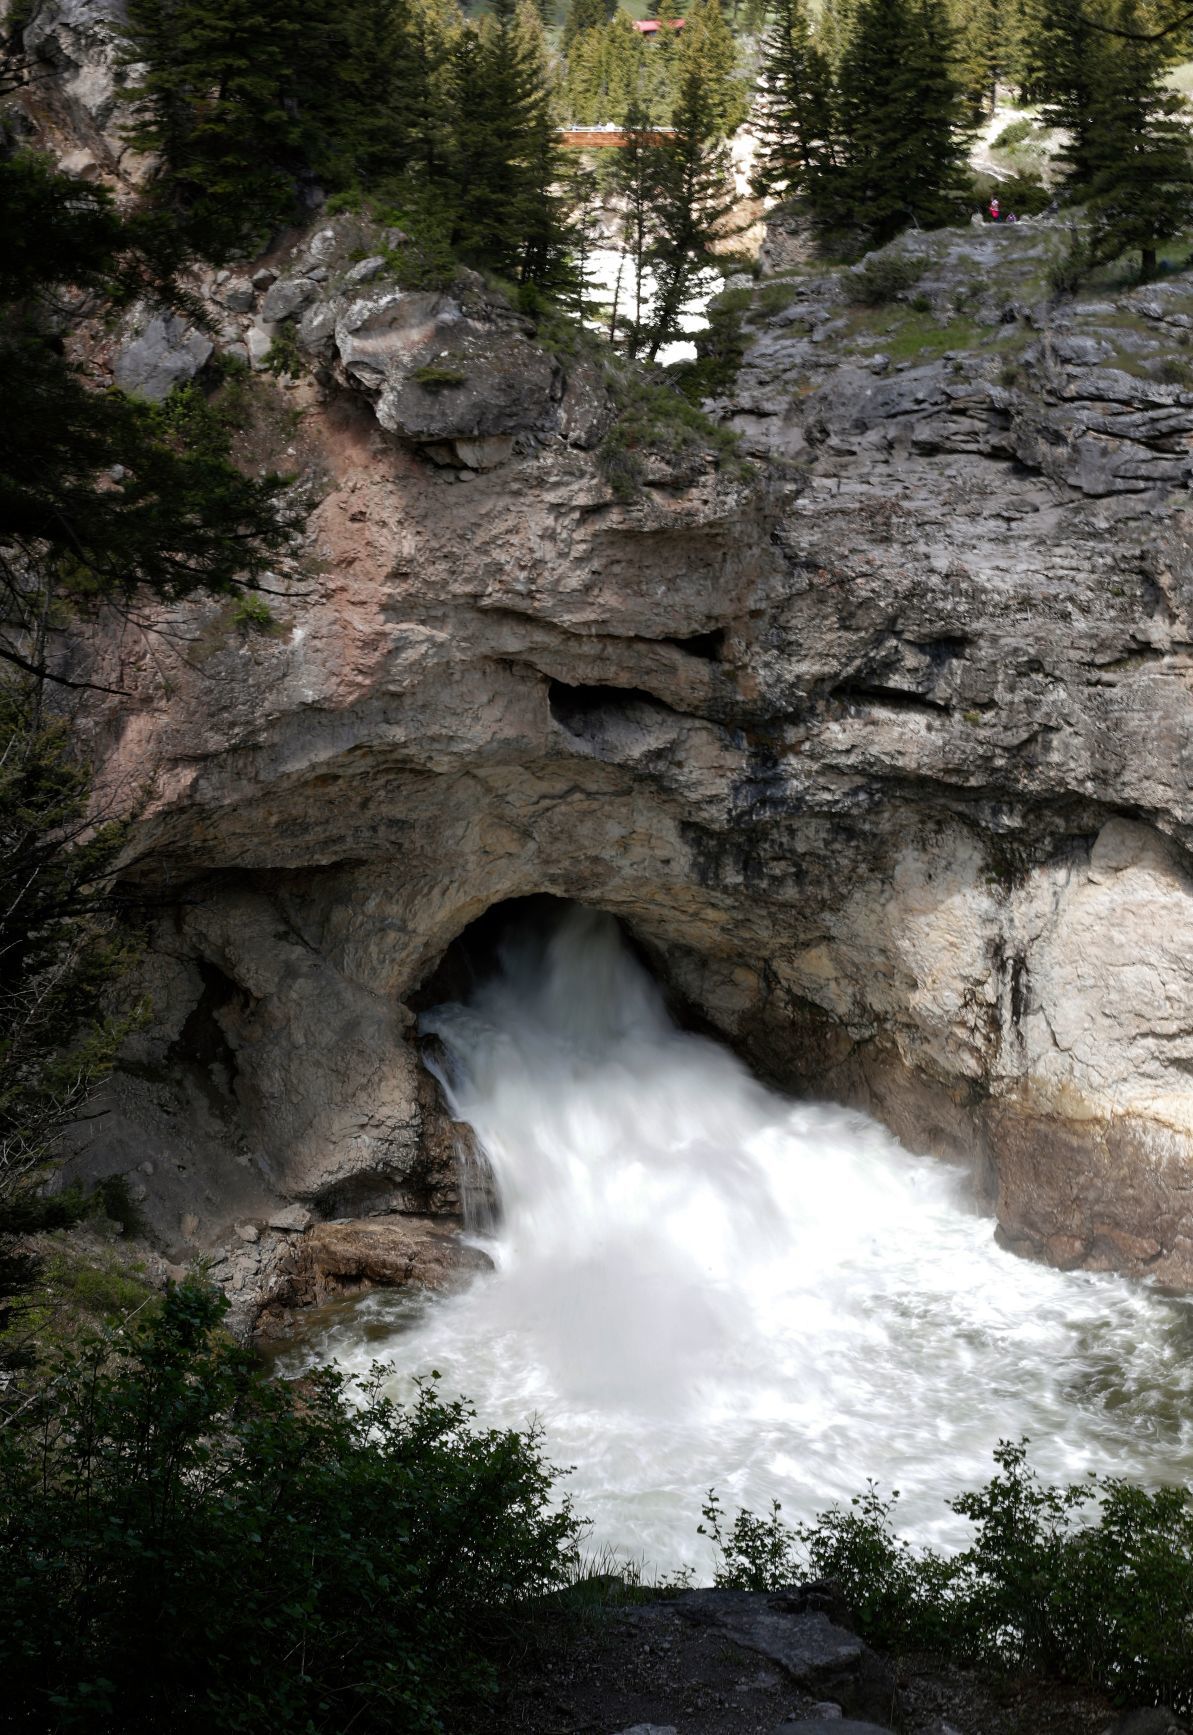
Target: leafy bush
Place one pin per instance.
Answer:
(1101, 1597)
(1025, 194)
(252, 614)
(754, 1553)
(1068, 270)
(185, 1546)
(881, 278)
(1018, 133)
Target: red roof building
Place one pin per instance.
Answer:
(652, 26)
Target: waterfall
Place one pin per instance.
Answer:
(698, 1281)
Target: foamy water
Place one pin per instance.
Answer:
(701, 1282)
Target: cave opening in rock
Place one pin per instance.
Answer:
(586, 710)
(474, 956)
(696, 1279)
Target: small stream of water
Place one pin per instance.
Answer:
(698, 1281)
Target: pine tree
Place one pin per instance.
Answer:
(504, 165)
(797, 128)
(1069, 56)
(214, 101)
(980, 38)
(707, 45)
(585, 15)
(834, 26)
(101, 497)
(635, 177)
(902, 121)
(693, 198)
(1134, 169)
(584, 90)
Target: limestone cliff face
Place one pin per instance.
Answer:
(883, 754)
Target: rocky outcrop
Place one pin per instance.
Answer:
(342, 1257)
(881, 754)
(77, 73)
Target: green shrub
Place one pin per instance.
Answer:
(1017, 133)
(653, 418)
(1175, 370)
(754, 1553)
(185, 1546)
(773, 297)
(1025, 194)
(252, 614)
(284, 356)
(881, 278)
(1068, 270)
(1092, 1582)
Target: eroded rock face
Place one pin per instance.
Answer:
(884, 763)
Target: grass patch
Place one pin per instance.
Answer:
(774, 297)
(917, 335)
(435, 378)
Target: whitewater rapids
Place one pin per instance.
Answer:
(699, 1282)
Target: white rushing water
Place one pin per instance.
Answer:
(701, 1282)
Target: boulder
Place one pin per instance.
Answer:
(387, 1252)
(438, 374)
(812, 1649)
(162, 352)
(286, 297)
(237, 295)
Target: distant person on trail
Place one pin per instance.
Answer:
(994, 210)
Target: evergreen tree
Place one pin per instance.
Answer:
(693, 198)
(584, 88)
(583, 16)
(100, 496)
(798, 146)
(707, 45)
(1069, 58)
(214, 101)
(635, 177)
(980, 38)
(1128, 154)
(834, 27)
(901, 119)
(504, 164)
